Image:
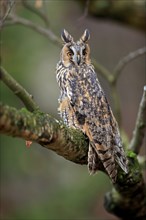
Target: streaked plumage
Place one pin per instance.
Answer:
(83, 105)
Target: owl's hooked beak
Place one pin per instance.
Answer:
(77, 59)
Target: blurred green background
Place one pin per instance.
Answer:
(36, 183)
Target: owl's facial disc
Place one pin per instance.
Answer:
(77, 54)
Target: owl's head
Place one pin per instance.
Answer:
(75, 53)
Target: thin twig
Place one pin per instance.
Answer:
(140, 127)
(11, 4)
(40, 13)
(122, 63)
(13, 20)
(18, 90)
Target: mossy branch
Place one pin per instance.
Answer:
(73, 145)
(127, 200)
(45, 130)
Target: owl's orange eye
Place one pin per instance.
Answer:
(69, 54)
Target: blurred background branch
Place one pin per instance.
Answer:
(140, 127)
(85, 13)
(127, 59)
(37, 11)
(103, 71)
(6, 7)
(47, 32)
(18, 90)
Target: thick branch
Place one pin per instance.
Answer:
(45, 130)
(140, 127)
(18, 90)
(73, 145)
(128, 199)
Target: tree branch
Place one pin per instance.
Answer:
(73, 145)
(9, 5)
(45, 130)
(18, 90)
(103, 71)
(41, 14)
(86, 9)
(140, 127)
(127, 59)
(13, 20)
(128, 199)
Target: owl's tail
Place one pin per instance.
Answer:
(97, 153)
(92, 160)
(121, 158)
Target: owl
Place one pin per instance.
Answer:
(83, 105)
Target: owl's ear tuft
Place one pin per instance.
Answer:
(66, 37)
(86, 36)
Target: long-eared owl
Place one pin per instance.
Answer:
(83, 105)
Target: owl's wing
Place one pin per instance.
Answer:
(96, 119)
